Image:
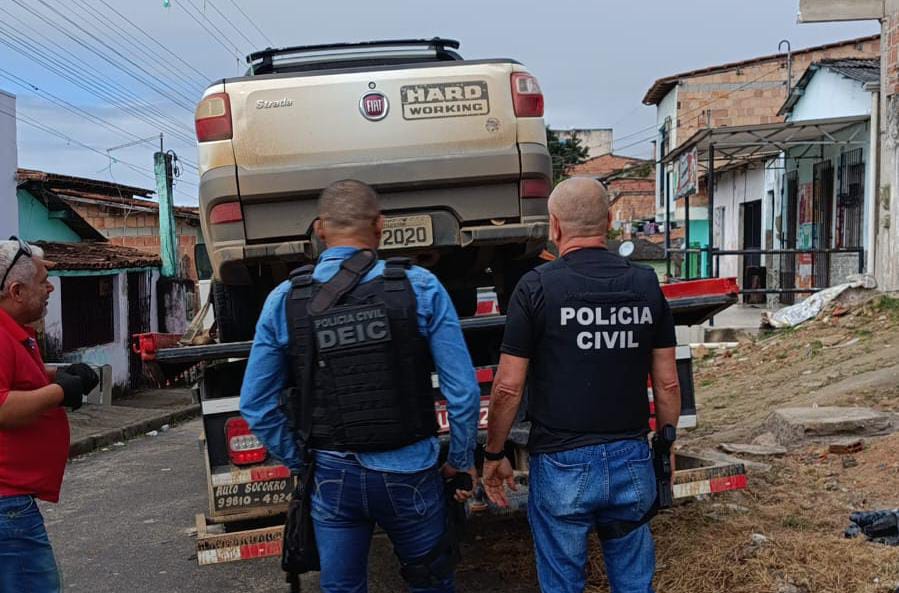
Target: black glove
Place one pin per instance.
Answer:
(72, 389)
(88, 376)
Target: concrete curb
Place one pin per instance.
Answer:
(96, 441)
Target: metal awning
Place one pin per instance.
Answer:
(741, 144)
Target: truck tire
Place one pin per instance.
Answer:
(235, 311)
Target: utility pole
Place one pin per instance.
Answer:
(168, 236)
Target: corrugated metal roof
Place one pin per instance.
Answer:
(862, 70)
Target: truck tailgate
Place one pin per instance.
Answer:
(395, 129)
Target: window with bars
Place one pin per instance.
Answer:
(850, 199)
(87, 311)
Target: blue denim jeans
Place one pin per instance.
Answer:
(26, 558)
(349, 500)
(573, 491)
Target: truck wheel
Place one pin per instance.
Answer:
(465, 300)
(235, 311)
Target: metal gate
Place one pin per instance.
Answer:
(822, 213)
(850, 199)
(790, 232)
(139, 301)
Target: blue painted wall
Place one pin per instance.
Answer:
(35, 223)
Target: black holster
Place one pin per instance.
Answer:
(299, 552)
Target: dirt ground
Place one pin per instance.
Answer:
(784, 533)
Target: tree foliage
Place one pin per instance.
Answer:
(564, 153)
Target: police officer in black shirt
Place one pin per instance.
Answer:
(584, 332)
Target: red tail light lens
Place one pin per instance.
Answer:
(213, 118)
(526, 95)
(243, 446)
(535, 188)
(227, 212)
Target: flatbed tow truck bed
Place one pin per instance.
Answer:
(247, 501)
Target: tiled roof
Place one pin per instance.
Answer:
(90, 255)
(605, 165)
(862, 70)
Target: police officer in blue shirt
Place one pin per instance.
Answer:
(355, 336)
(584, 332)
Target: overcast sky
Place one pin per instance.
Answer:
(594, 59)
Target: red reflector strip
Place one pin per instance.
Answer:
(484, 375)
(277, 472)
(224, 213)
(728, 483)
(260, 550)
(534, 188)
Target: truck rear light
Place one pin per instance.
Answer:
(526, 95)
(224, 213)
(243, 446)
(534, 188)
(213, 118)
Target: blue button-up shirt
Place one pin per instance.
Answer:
(269, 368)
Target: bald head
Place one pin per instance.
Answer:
(349, 206)
(581, 205)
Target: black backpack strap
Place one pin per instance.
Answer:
(302, 351)
(351, 272)
(395, 273)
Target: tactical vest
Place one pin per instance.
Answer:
(590, 372)
(360, 364)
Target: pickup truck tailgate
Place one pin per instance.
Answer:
(397, 129)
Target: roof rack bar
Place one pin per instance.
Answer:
(437, 43)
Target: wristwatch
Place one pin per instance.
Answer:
(494, 456)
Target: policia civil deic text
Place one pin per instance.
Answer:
(584, 332)
(338, 387)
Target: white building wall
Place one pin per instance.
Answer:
(734, 188)
(829, 94)
(9, 204)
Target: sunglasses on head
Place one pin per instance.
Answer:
(24, 249)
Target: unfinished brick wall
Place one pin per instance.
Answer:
(752, 94)
(632, 199)
(141, 231)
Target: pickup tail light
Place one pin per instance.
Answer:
(537, 187)
(526, 95)
(243, 446)
(213, 118)
(225, 213)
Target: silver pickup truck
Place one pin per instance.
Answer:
(456, 148)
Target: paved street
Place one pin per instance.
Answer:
(124, 521)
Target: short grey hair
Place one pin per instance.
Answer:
(24, 269)
(581, 204)
(349, 205)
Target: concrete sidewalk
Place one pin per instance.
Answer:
(96, 426)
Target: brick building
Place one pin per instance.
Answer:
(631, 185)
(122, 214)
(748, 92)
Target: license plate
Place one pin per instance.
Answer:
(403, 232)
(230, 497)
(443, 425)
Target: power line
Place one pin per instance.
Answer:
(235, 52)
(54, 132)
(246, 16)
(694, 110)
(118, 96)
(74, 109)
(165, 93)
(227, 20)
(186, 82)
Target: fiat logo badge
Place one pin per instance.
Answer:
(374, 105)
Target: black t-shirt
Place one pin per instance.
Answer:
(525, 323)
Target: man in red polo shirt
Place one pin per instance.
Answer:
(34, 430)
